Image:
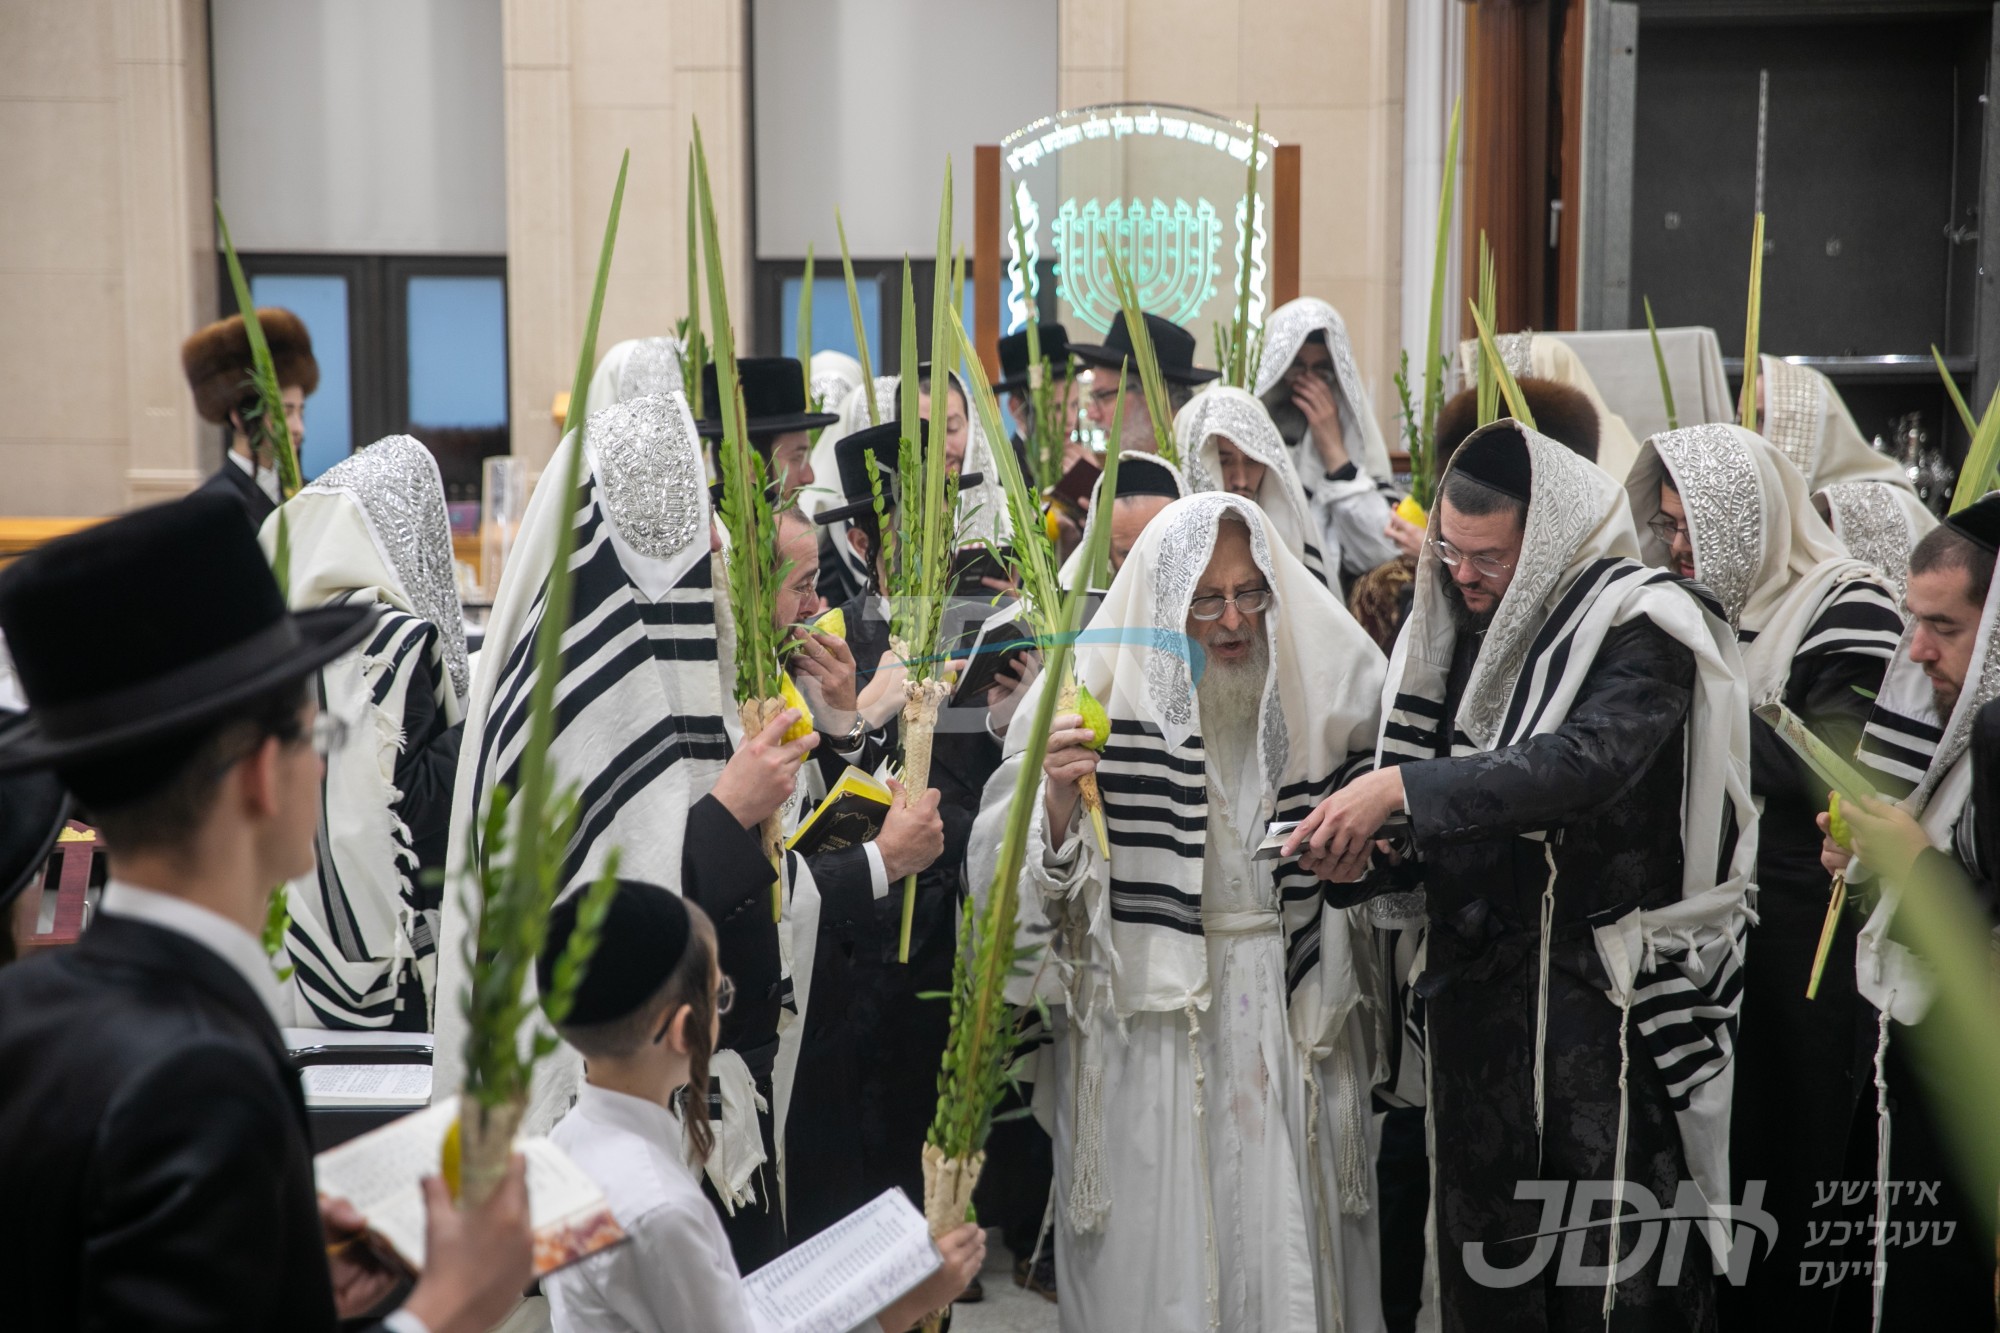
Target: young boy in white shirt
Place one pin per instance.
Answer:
(645, 1019)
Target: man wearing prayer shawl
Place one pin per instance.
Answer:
(1231, 445)
(647, 731)
(1864, 494)
(1173, 351)
(372, 530)
(1568, 732)
(1923, 751)
(1816, 626)
(1214, 1050)
(1308, 380)
(636, 368)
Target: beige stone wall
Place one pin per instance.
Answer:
(1328, 75)
(105, 250)
(585, 80)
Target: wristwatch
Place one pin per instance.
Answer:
(852, 739)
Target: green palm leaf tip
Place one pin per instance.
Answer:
(693, 353)
(1048, 434)
(1951, 387)
(1423, 460)
(519, 865)
(860, 330)
(805, 337)
(1488, 390)
(1660, 361)
(270, 424)
(1517, 404)
(1982, 458)
(1753, 315)
(1233, 357)
(1031, 556)
(1159, 407)
(746, 508)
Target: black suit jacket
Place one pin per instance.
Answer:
(234, 482)
(155, 1164)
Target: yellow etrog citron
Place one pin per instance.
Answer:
(448, 1159)
(1052, 524)
(834, 622)
(1410, 511)
(1094, 717)
(789, 693)
(1836, 826)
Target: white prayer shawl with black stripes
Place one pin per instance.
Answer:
(1784, 580)
(1924, 763)
(372, 529)
(1675, 969)
(1144, 908)
(1220, 412)
(643, 723)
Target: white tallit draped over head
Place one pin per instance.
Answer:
(1315, 726)
(372, 529)
(640, 707)
(1224, 413)
(1287, 330)
(636, 368)
(1878, 523)
(1923, 761)
(1759, 546)
(1578, 577)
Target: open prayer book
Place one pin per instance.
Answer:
(843, 1276)
(380, 1173)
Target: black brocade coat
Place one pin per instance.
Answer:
(154, 1157)
(1606, 787)
(868, 1068)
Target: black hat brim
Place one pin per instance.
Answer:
(710, 429)
(1096, 354)
(856, 508)
(324, 633)
(33, 810)
(1019, 383)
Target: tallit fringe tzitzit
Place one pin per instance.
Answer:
(486, 1146)
(948, 1186)
(1880, 1277)
(1314, 1104)
(1542, 992)
(1201, 1165)
(755, 715)
(1089, 1191)
(1353, 1167)
(1618, 1160)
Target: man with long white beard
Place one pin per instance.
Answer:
(1212, 1063)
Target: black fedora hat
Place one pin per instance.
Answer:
(850, 456)
(148, 626)
(1173, 348)
(774, 398)
(1014, 358)
(33, 809)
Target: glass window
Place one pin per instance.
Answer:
(457, 328)
(833, 322)
(320, 302)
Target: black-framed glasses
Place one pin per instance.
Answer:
(1453, 558)
(725, 996)
(1668, 529)
(1248, 602)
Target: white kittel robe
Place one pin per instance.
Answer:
(1215, 1155)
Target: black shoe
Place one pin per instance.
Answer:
(973, 1294)
(1040, 1278)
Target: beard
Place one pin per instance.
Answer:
(1944, 698)
(1467, 620)
(1231, 695)
(1286, 415)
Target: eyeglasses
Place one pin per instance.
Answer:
(1248, 603)
(725, 996)
(1667, 529)
(1106, 395)
(1453, 558)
